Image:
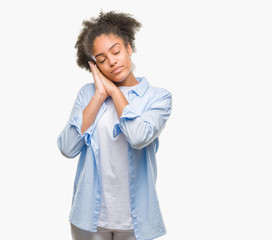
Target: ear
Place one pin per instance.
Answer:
(129, 49)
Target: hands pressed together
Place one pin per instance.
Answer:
(103, 86)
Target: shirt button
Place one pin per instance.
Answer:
(132, 176)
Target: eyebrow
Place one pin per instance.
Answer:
(109, 49)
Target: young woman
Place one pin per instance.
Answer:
(114, 126)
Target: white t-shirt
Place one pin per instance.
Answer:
(115, 212)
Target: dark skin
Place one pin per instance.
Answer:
(112, 69)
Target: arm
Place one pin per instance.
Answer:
(80, 125)
(139, 130)
(142, 129)
(112, 90)
(119, 100)
(91, 111)
(94, 105)
(70, 141)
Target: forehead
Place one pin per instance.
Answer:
(104, 42)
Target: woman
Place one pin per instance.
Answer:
(114, 126)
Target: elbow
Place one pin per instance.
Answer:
(140, 141)
(66, 151)
(137, 145)
(140, 144)
(68, 154)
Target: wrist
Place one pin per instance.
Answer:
(100, 96)
(114, 92)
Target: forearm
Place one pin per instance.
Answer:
(91, 111)
(119, 101)
(141, 128)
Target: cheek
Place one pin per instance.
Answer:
(127, 60)
(103, 69)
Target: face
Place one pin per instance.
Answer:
(112, 57)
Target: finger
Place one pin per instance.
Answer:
(94, 69)
(91, 64)
(98, 71)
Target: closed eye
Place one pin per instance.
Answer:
(102, 61)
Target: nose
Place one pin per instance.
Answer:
(112, 60)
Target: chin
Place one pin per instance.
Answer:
(120, 77)
(118, 80)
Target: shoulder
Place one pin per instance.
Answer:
(86, 91)
(158, 94)
(85, 94)
(89, 87)
(157, 98)
(150, 91)
(158, 91)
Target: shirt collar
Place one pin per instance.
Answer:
(141, 87)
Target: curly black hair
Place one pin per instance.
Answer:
(122, 25)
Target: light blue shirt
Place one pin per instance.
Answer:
(141, 122)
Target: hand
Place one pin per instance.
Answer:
(100, 79)
(103, 85)
(99, 87)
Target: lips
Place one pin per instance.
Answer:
(117, 70)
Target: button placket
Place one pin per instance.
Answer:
(131, 95)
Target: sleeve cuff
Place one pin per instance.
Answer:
(76, 122)
(129, 113)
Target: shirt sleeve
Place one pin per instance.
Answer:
(142, 129)
(71, 141)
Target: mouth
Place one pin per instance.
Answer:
(117, 70)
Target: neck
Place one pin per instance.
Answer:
(129, 81)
